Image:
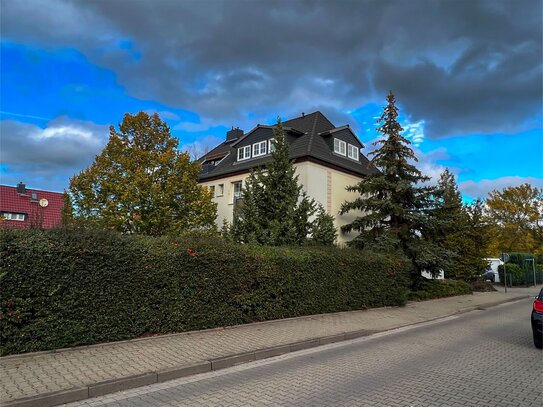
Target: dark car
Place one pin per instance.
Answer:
(537, 320)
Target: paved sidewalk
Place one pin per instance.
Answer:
(95, 370)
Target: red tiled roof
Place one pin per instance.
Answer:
(36, 215)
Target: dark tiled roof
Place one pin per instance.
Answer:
(308, 138)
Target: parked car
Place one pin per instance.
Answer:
(489, 276)
(537, 320)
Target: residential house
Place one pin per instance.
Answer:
(327, 160)
(24, 208)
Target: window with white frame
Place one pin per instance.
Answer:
(236, 187)
(259, 149)
(352, 152)
(219, 190)
(13, 216)
(244, 153)
(340, 147)
(271, 145)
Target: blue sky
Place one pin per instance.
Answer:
(468, 85)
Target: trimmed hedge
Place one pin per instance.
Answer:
(64, 288)
(431, 289)
(521, 276)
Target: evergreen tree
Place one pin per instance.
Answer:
(141, 183)
(323, 231)
(394, 206)
(274, 210)
(459, 229)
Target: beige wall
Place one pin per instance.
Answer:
(325, 185)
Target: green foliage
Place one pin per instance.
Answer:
(459, 229)
(393, 203)
(522, 273)
(63, 288)
(515, 274)
(323, 231)
(273, 209)
(516, 214)
(430, 289)
(140, 183)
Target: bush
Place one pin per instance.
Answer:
(430, 289)
(521, 276)
(65, 288)
(482, 286)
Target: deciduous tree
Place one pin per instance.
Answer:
(141, 183)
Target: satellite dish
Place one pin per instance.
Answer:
(44, 202)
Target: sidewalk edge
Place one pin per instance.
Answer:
(144, 379)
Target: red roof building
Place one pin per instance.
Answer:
(24, 208)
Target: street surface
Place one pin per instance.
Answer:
(483, 358)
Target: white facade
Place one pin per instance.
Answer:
(325, 185)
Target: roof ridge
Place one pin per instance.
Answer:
(310, 143)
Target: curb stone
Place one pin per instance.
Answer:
(130, 382)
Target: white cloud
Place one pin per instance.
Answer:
(48, 157)
(480, 189)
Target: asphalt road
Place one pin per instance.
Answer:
(483, 358)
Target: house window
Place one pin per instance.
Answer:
(271, 145)
(259, 149)
(212, 191)
(237, 190)
(352, 152)
(13, 216)
(244, 153)
(340, 147)
(220, 190)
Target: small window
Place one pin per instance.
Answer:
(212, 191)
(14, 216)
(259, 149)
(34, 197)
(352, 152)
(271, 145)
(340, 147)
(244, 153)
(237, 190)
(220, 190)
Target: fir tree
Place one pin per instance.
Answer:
(274, 210)
(394, 205)
(323, 231)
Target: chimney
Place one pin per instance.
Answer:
(234, 134)
(21, 188)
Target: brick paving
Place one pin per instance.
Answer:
(35, 374)
(484, 358)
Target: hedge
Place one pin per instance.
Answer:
(63, 288)
(430, 289)
(521, 276)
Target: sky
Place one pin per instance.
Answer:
(467, 75)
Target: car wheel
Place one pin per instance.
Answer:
(538, 340)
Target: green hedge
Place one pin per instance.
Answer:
(521, 276)
(65, 288)
(430, 289)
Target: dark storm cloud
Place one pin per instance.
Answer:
(462, 66)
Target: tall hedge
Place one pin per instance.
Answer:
(66, 288)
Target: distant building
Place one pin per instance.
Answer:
(327, 160)
(25, 208)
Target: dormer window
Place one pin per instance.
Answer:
(352, 152)
(340, 147)
(259, 149)
(271, 145)
(244, 153)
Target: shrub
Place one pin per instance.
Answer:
(430, 289)
(65, 288)
(482, 286)
(521, 276)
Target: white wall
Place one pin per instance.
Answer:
(324, 185)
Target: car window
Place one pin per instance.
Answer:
(540, 296)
